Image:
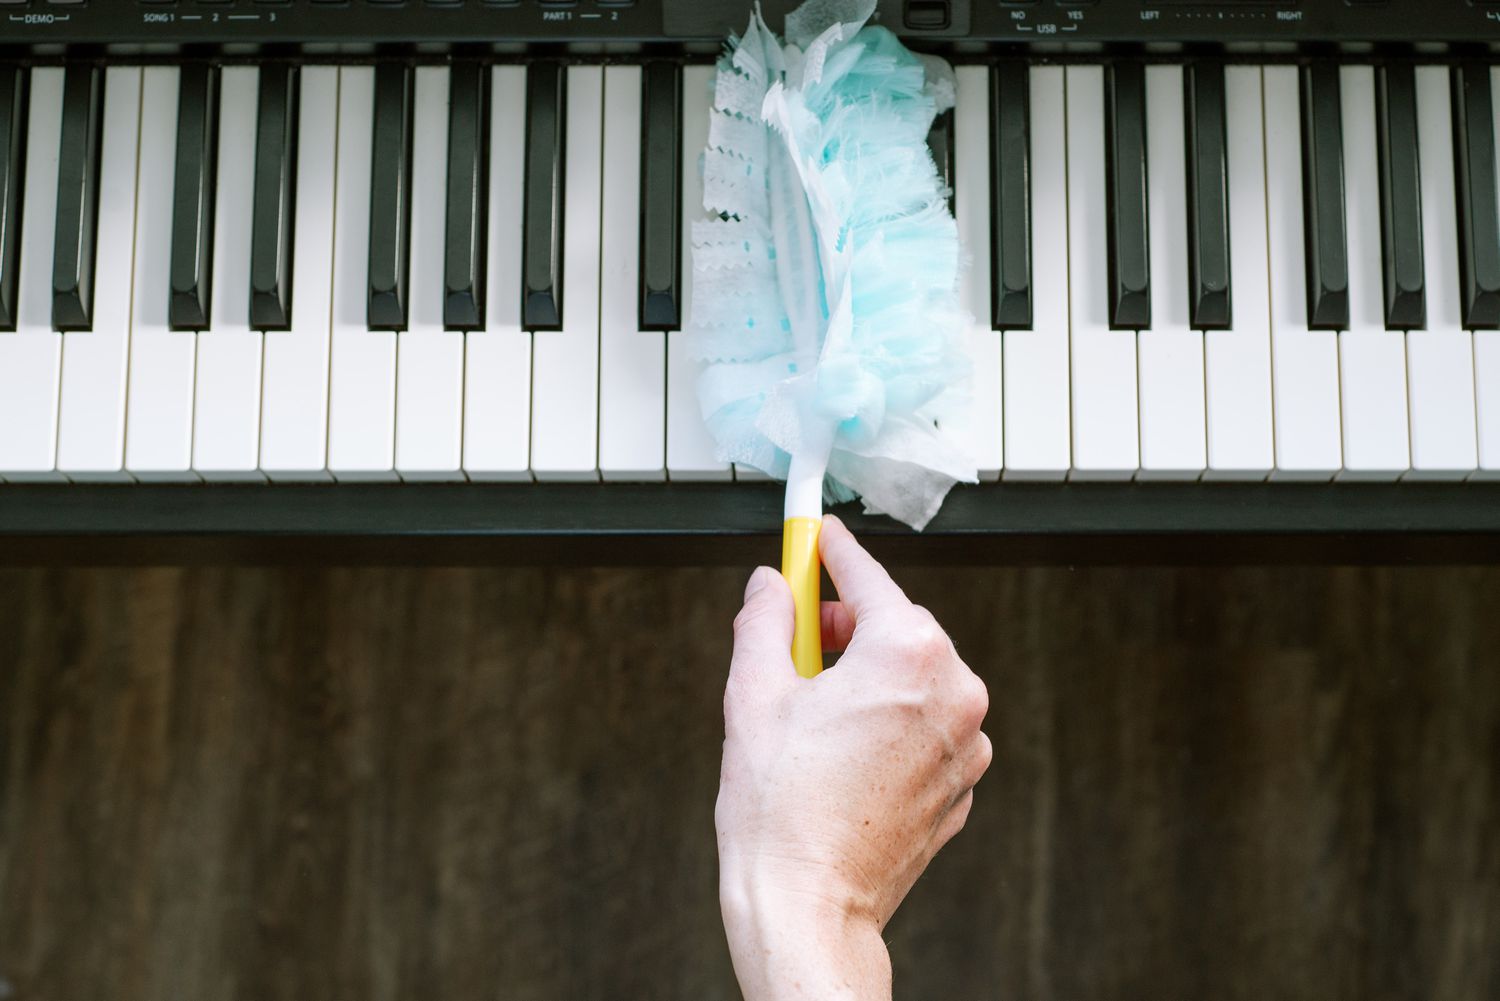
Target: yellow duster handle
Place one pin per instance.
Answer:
(800, 567)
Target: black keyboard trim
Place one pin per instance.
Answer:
(740, 524)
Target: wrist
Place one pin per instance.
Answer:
(796, 943)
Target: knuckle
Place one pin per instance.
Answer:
(923, 639)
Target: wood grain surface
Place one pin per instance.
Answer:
(392, 784)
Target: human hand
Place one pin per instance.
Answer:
(837, 791)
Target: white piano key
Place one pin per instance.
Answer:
(1038, 437)
(362, 377)
(632, 362)
(31, 355)
(1237, 361)
(497, 362)
(294, 392)
(429, 359)
(1440, 359)
(1103, 361)
(1173, 445)
(1304, 363)
(1372, 359)
(226, 405)
(159, 405)
(1487, 357)
(690, 448)
(91, 412)
(565, 363)
(971, 199)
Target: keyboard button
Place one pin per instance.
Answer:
(1237, 360)
(660, 196)
(91, 408)
(226, 401)
(1440, 358)
(30, 358)
(271, 228)
(1400, 198)
(464, 245)
(1323, 194)
(1010, 196)
(193, 196)
(12, 168)
(966, 137)
(497, 359)
(429, 359)
(1038, 433)
(690, 447)
(1172, 419)
(632, 359)
(362, 374)
(1372, 359)
(1208, 194)
(159, 428)
(1305, 362)
(541, 292)
(565, 364)
(77, 199)
(390, 198)
(1479, 220)
(1102, 360)
(1129, 242)
(294, 400)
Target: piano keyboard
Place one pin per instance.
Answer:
(473, 272)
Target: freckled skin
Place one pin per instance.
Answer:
(837, 791)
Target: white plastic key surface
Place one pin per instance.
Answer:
(1173, 445)
(1102, 360)
(91, 410)
(1372, 359)
(497, 359)
(1439, 359)
(159, 404)
(565, 363)
(226, 407)
(294, 392)
(1487, 359)
(1304, 363)
(31, 355)
(690, 448)
(1237, 361)
(632, 362)
(971, 200)
(362, 376)
(429, 359)
(1038, 436)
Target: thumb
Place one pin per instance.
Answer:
(762, 660)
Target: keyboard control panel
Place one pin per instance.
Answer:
(125, 26)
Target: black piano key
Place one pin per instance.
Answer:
(390, 198)
(468, 187)
(271, 223)
(940, 144)
(1478, 217)
(661, 206)
(1400, 198)
(1323, 199)
(193, 197)
(12, 177)
(1129, 214)
(1208, 199)
(77, 199)
(542, 227)
(1010, 196)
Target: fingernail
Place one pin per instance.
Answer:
(757, 582)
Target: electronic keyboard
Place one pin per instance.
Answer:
(375, 279)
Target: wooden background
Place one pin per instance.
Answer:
(381, 784)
